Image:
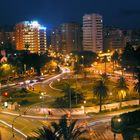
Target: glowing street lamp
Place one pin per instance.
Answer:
(123, 70)
(122, 95)
(42, 97)
(83, 107)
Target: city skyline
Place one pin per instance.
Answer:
(51, 13)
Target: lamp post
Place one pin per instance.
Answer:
(83, 107)
(122, 95)
(123, 70)
(14, 120)
(82, 60)
(42, 96)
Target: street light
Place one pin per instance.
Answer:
(42, 96)
(116, 125)
(122, 95)
(14, 120)
(85, 102)
(123, 70)
(83, 107)
(82, 60)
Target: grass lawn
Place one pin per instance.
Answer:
(85, 85)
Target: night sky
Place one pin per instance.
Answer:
(122, 13)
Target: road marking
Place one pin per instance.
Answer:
(50, 85)
(9, 125)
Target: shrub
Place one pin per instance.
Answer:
(24, 102)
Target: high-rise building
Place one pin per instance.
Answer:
(56, 40)
(7, 36)
(31, 36)
(114, 38)
(67, 38)
(93, 32)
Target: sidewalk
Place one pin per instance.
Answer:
(38, 109)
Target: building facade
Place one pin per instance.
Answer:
(114, 39)
(31, 36)
(93, 33)
(7, 36)
(67, 38)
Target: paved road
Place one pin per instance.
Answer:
(103, 132)
(26, 126)
(42, 110)
(98, 124)
(5, 134)
(23, 123)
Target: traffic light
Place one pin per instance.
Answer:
(5, 94)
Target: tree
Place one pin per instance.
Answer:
(100, 90)
(67, 90)
(121, 88)
(16, 61)
(85, 58)
(70, 94)
(66, 129)
(45, 133)
(115, 58)
(51, 65)
(77, 68)
(36, 61)
(6, 70)
(128, 58)
(127, 124)
(104, 77)
(105, 61)
(137, 86)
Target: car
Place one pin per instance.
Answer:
(21, 83)
(27, 81)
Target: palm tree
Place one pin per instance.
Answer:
(104, 77)
(121, 88)
(46, 133)
(68, 129)
(72, 95)
(65, 130)
(100, 90)
(137, 87)
(67, 90)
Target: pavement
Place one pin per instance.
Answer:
(41, 109)
(5, 134)
(103, 132)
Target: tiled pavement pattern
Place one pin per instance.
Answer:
(103, 132)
